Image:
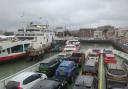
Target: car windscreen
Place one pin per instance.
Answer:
(116, 72)
(45, 64)
(92, 55)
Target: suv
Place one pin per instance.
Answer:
(25, 80)
(90, 67)
(50, 84)
(115, 72)
(86, 82)
(66, 71)
(49, 66)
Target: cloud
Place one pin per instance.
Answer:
(87, 13)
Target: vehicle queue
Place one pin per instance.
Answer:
(73, 67)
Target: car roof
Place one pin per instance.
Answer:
(66, 63)
(22, 76)
(110, 55)
(115, 66)
(46, 84)
(90, 62)
(70, 45)
(49, 60)
(86, 80)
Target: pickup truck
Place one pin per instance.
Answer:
(77, 57)
(66, 71)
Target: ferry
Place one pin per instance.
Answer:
(12, 50)
(32, 41)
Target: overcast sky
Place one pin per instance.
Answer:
(79, 13)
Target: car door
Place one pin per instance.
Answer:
(31, 80)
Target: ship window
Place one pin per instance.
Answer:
(0, 52)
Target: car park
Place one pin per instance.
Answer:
(66, 71)
(109, 58)
(50, 84)
(25, 80)
(49, 66)
(90, 67)
(116, 72)
(86, 82)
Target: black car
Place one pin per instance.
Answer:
(90, 67)
(49, 66)
(86, 82)
(50, 84)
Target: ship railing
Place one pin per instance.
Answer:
(32, 68)
(121, 54)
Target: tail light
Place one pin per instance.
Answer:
(19, 87)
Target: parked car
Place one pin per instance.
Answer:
(63, 56)
(109, 58)
(86, 82)
(93, 56)
(107, 51)
(77, 57)
(49, 66)
(70, 48)
(66, 71)
(50, 84)
(25, 80)
(90, 67)
(97, 51)
(116, 72)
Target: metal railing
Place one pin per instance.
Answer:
(32, 68)
(121, 54)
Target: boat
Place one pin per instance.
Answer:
(41, 36)
(12, 50)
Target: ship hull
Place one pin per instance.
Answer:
(12, 56)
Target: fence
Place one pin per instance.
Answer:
(32, 68)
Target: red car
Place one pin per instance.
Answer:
(109, 58)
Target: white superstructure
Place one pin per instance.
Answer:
(41, 33)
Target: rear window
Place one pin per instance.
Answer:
(12, 85)
(116, 72)
(92, 55)
(48, 64)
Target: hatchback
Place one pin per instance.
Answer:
(25, 80)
